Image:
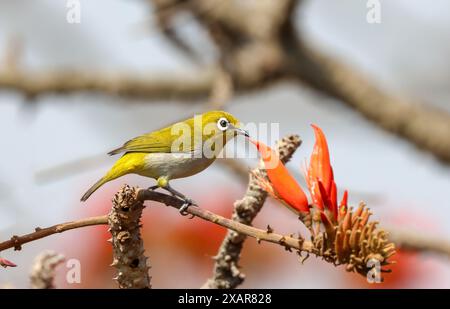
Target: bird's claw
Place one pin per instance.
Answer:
(187, 203)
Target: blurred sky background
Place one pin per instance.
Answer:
(407, 53)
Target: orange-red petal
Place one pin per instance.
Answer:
(333, 198)
(343, 205)
(285, 186)
(319, 166)
(316, 195)
(324, 196)
(344, 201)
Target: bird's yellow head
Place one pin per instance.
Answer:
(209, 132)
(220, 123)
(218, 128)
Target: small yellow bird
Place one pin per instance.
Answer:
(180, 150)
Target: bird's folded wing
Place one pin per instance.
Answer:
(150, 143)
(154, 142)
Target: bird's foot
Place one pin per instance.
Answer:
(185, 206)
(186, 201)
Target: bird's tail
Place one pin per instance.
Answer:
(94, 188)
(128, 163)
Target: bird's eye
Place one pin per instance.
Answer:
(223, 124)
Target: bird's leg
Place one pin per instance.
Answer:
(175, 192)
(187, 202)
(163, 182)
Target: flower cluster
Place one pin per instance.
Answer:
(340, 234)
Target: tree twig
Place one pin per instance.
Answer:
(426, 126)
(222, 89)
(259, 234)
(402, 240)
(226, 273)
(418, 242)
(17, 242)
(168, 200)
(176, 86)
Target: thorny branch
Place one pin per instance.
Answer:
(131, 196)
(259, 234)
(226, 272)
(401, 239)
(128, 247)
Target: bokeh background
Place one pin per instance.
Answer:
(53, 146)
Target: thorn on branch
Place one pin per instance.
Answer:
(17, 244)
(303, 259)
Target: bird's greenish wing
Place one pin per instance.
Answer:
(155, 142)
(151, 142)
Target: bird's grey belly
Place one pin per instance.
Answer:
(174, 165)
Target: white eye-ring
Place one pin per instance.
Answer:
(223, 124)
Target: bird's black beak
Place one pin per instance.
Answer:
(240, 131)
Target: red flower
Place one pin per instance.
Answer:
(319, 178)
(345, 236)
(5, 263)
(282, 185)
